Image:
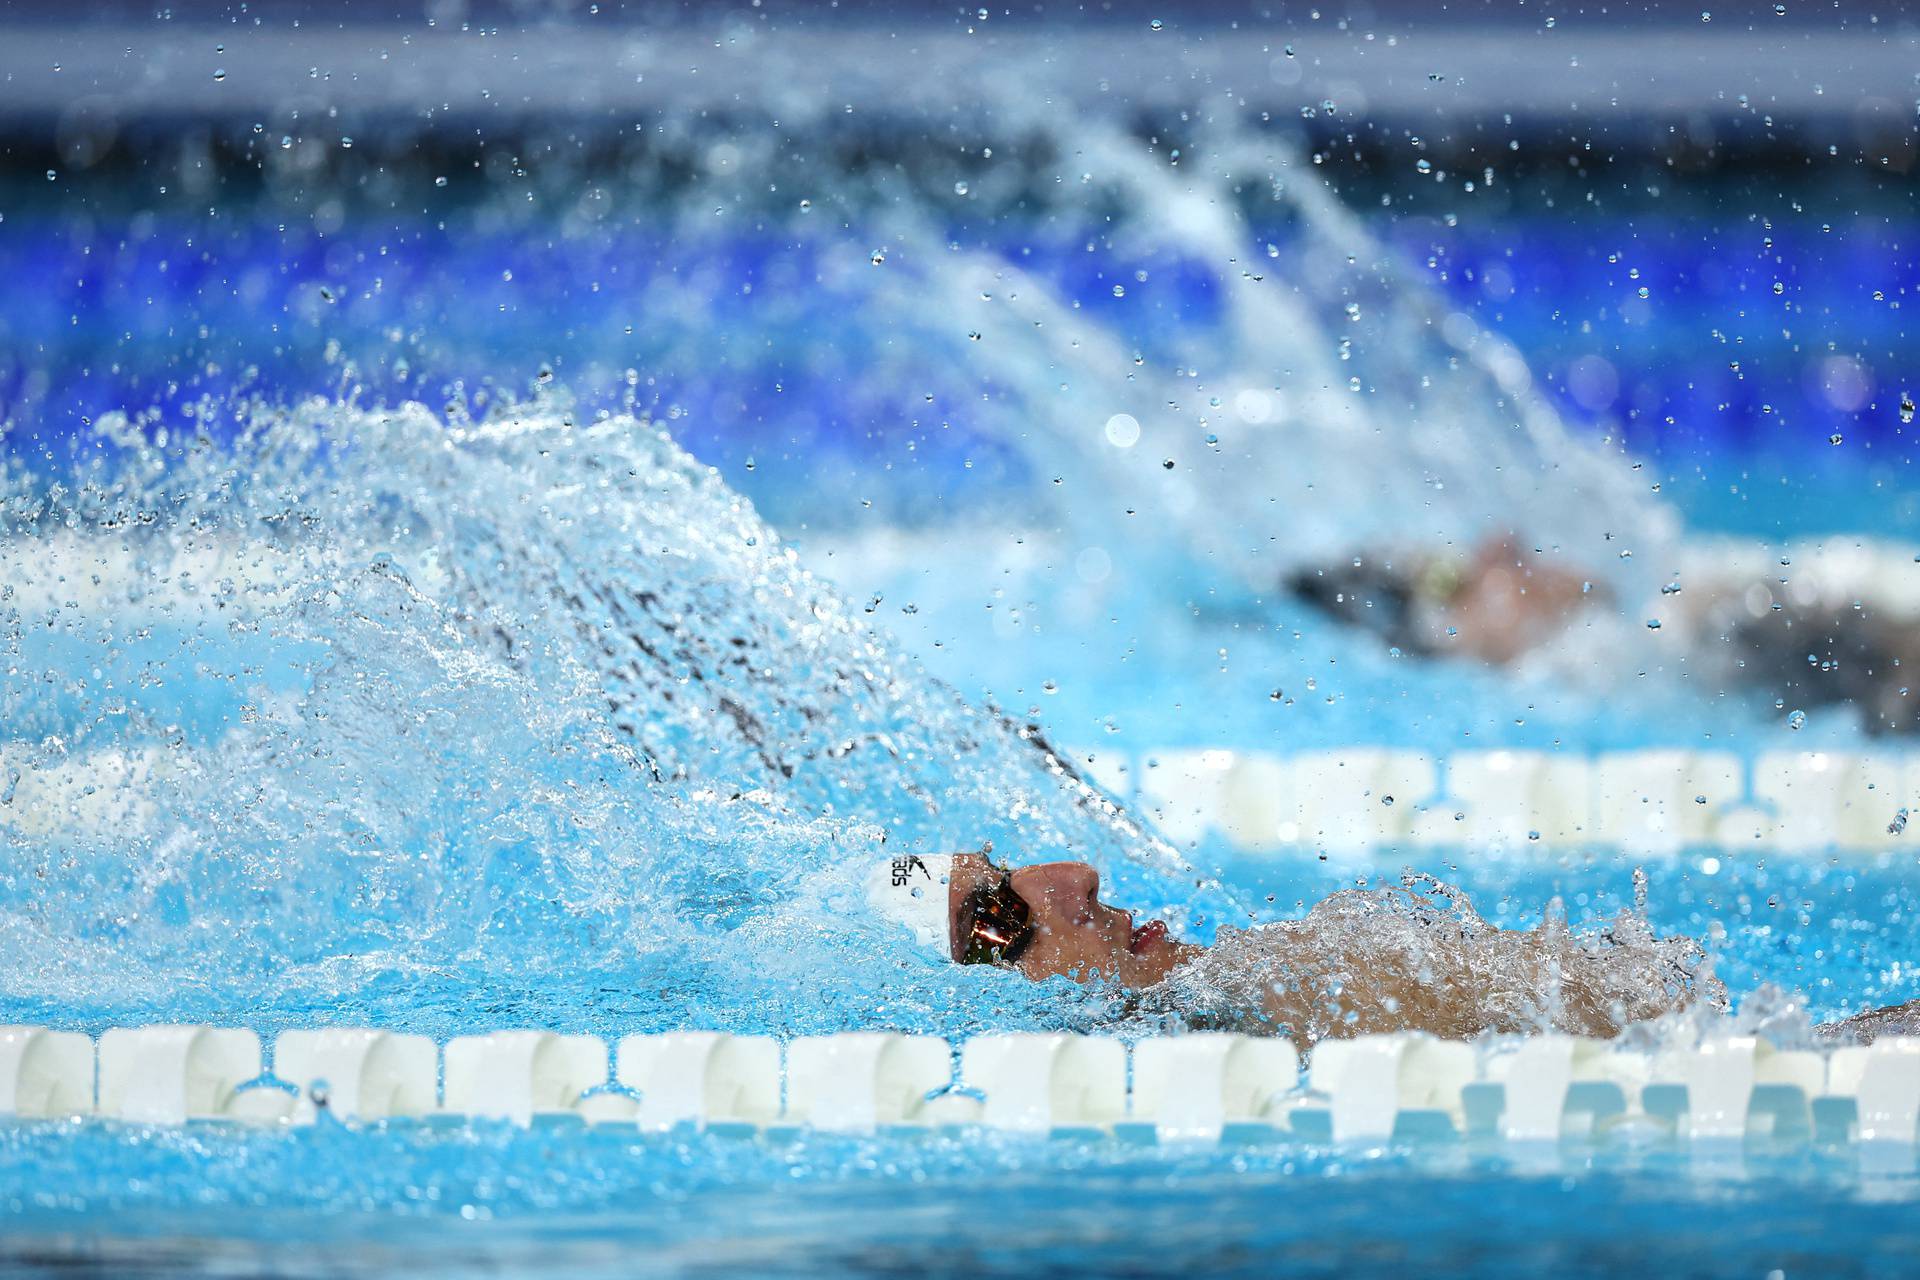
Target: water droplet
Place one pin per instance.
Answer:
(1424, 166)
(1778, 288)
(806, 205)
(1653, 624)
(440, 181)
(959, 188)
(219, 73)
(1050, 686)
(1157, 25)
(879, 256)
(1835, 438)
(1644, 291)
(981, 14)
(1796, 719)
(1779, 11)
(1119, 291)
(1906, 406)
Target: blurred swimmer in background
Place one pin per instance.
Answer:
(1837, 630)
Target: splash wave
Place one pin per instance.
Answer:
(524, 710)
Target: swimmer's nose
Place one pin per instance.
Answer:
(1068, 888)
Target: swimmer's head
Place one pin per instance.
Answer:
(1045, 921)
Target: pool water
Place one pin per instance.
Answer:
(491, 1201)
(509, 603)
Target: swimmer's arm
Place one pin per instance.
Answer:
(1320, 992)
(1864, 1028)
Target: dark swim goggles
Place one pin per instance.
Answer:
(995, 924)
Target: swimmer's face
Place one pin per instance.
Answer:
(1075, 934)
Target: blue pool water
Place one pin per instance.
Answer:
(481, 1202)
(510, 602)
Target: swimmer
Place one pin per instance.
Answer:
(1360, 962)
(1823, 636)
(1497, 604)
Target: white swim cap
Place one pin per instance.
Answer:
(911, 890)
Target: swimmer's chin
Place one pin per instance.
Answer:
(1151, 960)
